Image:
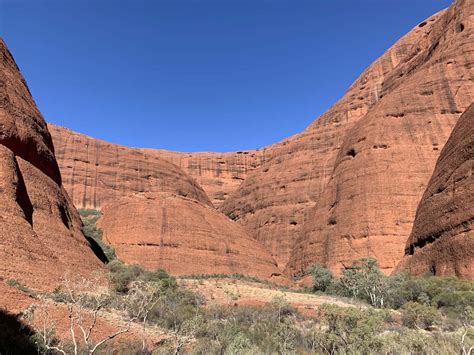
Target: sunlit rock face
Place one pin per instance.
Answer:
(348, 186)
(183, 236)
(345, 188)
(40, 237)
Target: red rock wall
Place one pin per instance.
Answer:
(40, 237)
(348, 186)
(219, 174)
(387, 156)
(96, 172)
(442, 238)
(183, 236)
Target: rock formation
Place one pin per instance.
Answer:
(154, 214)
(219, 174)
(96, 172)
(40, 237)
(442, 238)
(183, 236)
(348, 186)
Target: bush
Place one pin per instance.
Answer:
(364, 280)
(417, 315)
(322, 277)
(349, 330)
(121, 276)
(411, 341)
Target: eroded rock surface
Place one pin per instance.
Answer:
(387, 156)
(40, 237)
(442, 239)
(96, 172)
(182, 236)
(354, 177)
(219, 174)
(349, 185)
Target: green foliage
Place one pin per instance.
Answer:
(20, 286)
(364, 280)
(155, 297)
(228, 276)
(87, 212)
(411, 341)
(92, 233)
(322, 277)
(349, 330)
(417, 315)
(121, 276)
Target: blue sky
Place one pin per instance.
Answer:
(198, 75)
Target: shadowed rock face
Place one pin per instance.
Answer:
(40, 237)
(442, 239)
(182, 236)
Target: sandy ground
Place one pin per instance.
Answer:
(240, 293)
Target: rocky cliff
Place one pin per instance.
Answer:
(157, 215)
(40, 237)
(387, 156)
(348, 186)
(96, 172)
(182, 236)
(219, 174)
(442, 238)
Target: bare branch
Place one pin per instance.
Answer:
(110, 337)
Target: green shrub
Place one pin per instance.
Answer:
(94, 235)
(122, 275)
(87, 212)
(349, 330)
(365, 281)
(22, 287)
(417, 315)
(322, 277)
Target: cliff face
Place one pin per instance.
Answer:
(348, 186)
(40, 237)
(96, 172)
(219, 174)
(182, 236)
(387, 156)
(442, 238)
(156, 215)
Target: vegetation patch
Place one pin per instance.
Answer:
(89, 219)
(401, 315)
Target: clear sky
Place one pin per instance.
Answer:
(198, 75)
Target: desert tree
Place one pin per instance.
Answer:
(139, 302)
(322, 277)
(84, 301)
(365, 278)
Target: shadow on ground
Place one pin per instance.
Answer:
(15, 337)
